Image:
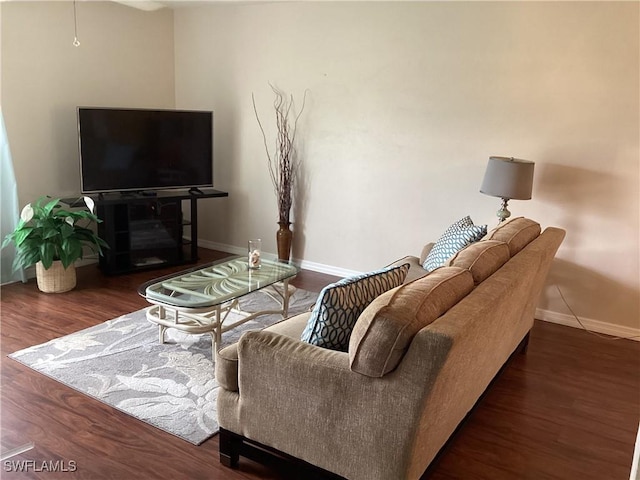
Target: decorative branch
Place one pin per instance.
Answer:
(283, 165)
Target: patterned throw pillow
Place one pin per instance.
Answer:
(340, 304)
(455, 238)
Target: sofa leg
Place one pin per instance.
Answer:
(524, 345)
(229, 449)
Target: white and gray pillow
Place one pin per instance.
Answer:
(455, 238)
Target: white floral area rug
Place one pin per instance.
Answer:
(171, 386)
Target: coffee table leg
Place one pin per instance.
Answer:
(213, 346)
(216, 334)
(161, 328)
(285, 298)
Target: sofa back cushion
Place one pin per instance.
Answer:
(340, 304)
(386, 327)
(516, 233)
(482, 259)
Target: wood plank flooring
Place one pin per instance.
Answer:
(568, 409)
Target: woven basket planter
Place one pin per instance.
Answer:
(56, 279)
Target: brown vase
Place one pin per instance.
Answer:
(283, 239)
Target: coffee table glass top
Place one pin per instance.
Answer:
(215, 283)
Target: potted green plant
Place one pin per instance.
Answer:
(53, 238)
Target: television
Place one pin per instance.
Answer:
(140, 150)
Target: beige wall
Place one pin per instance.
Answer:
(406, 101)
(125, 59)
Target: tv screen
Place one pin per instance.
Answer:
(138, 149)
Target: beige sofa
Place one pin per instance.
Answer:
(419, 358)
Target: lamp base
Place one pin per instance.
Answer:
(504, 212)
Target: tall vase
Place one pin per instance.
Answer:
(283, 239)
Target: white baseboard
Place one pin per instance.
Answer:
(590, 324)
(313, 266)
(31, 271)
(546, 315)
(328, 269)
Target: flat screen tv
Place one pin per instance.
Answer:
(124, 150)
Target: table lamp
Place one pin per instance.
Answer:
(508, 178)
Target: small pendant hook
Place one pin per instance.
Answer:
(76, 42)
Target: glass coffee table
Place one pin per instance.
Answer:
(200, 299)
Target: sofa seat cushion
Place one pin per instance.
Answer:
(482, 259)
(385, 329)
(226, 367)
(340, 304)
(517, 233)
(455, 238)
(292, 326)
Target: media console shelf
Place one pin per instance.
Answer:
(146, 231)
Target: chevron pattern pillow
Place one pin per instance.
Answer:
(455, 238)
(340, 304)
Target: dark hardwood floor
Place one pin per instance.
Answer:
(568, 409)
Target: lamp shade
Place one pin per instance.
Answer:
(508, 177)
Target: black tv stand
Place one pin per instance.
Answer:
(195, 191)
(145, 232)
(137, 193)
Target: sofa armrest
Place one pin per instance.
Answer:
(425, 251)
(226, 367)
(415, 267)
(294, 350)
(293, 396)
(262, 353)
